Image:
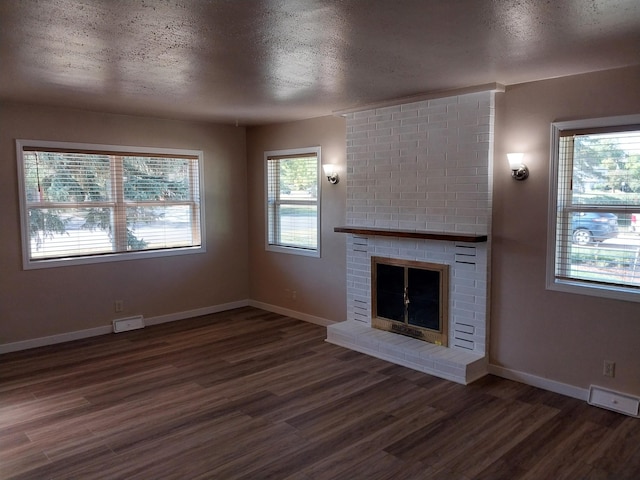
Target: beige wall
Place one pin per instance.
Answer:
(558, 336)
(320, 283)
(39, 303)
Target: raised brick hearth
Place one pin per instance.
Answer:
(422, 166)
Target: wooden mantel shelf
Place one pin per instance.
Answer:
(424, 235)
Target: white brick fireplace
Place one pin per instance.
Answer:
(421, 167)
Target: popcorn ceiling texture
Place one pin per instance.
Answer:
(261, 62)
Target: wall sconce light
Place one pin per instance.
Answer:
(330, 172)
(519, 170)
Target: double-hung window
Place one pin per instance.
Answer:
(594, 217)
(292, 201)
(84, 203)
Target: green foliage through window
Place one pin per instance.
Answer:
(597, 186)
(83, 202)
(292, 201)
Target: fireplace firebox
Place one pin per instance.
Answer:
(410, 298)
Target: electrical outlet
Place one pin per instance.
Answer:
(609, 368)
(294, 295)
(118, 306)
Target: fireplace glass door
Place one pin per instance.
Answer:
(410, 298)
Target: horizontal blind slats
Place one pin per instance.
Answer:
(292, 201)
(92, 202)
(598, 193)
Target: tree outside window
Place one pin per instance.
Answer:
(292, 201)
(82, 203)
(596, 185)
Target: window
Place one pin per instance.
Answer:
(293, 207)
(85, 203)
(595, 208)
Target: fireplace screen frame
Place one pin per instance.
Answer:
(437, 336)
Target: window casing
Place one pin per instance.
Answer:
(85, 203)
(593, 244)
(293, 201)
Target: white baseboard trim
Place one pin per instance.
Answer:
(522, 377)
(198, 312)
(291, 313)
(53, 339)
(540, 382)
(94, 332)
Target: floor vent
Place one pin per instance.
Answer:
(616, 401)
(129, 323)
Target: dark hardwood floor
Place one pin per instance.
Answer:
(252, 394)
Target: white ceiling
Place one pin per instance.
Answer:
(263, 61)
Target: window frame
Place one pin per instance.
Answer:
(554, 251)
(290, 249)
(29, 263)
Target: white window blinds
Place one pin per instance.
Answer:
(92, 202)
(293, 201)
(597, 241)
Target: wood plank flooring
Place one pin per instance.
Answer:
(255, 395)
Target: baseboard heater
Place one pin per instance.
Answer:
(129, 323)
(616, 401)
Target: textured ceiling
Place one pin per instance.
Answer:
(262, 61)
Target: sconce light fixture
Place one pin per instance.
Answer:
(519, 170)
(330, 172)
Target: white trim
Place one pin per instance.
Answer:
(598, 122)
(294, 250)
(540, 382)
(108, 257)
(28, 263)
(54, 339)
(94, 332)
(552, 223)
(198, 312)
(522, 377)
(317, 150)
(605, 291)
(291, 313)
(455, 92)
(576, 286)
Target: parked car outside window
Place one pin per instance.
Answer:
(590, 227)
